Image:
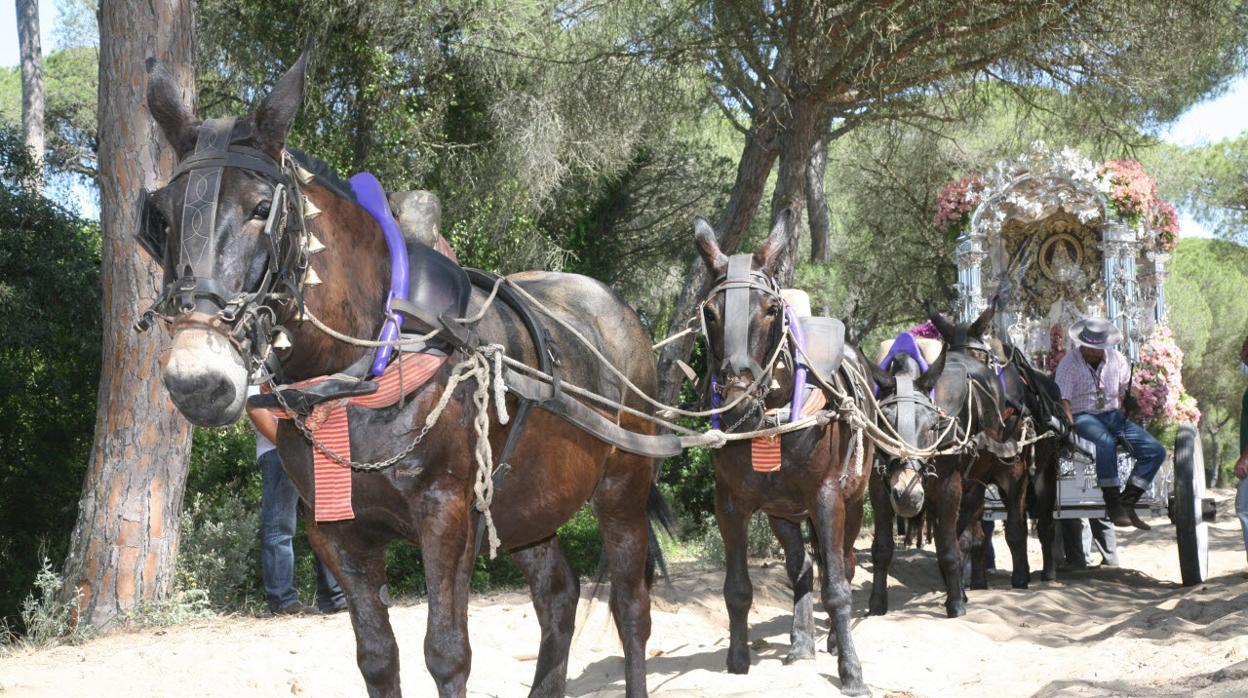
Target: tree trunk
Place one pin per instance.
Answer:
(796, 143)
(757, 158)
(32, 79)
(125, 541)
(817, 203)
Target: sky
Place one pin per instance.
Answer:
(1217, 118)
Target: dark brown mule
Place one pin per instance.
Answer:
(426, 497)
(813, 483)
(1030, 407)
(953, 484)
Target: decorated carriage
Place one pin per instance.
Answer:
(1053, 237)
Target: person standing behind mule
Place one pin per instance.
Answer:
(1093, 377)
(1241, 465)
(279, 501)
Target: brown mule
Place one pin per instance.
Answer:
(427, 497)
(814, 483)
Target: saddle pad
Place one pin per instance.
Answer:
(329, 422)
(765, 450)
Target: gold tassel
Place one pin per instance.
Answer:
(311, 279)
(314, 244)
(310, 210)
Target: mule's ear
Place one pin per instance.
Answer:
(164, 101)
(984, 322)
(946, 328)
(928, 380)
(708, 247)
(769, 254)
(277, 112)
(883, 378)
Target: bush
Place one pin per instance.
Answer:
(760, 541)
(220, 551)
(46, 618)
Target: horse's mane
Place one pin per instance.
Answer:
(324, 174)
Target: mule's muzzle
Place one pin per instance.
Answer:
(906, 489)
(205, 375)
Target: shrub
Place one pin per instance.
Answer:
(220, 551)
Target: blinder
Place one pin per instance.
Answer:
(736, 285)
(189, 283)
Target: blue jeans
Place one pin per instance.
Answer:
(1241, 507)
(1103, 430)
(279, 501)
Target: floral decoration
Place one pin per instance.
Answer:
(1158, 386)
(955, 203)
(926, 330)
(1166, 223)
(1131, 191)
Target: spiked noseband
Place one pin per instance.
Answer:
(248, 317)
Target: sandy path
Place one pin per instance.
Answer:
(1131, 631)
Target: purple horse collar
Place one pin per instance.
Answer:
(370, 195)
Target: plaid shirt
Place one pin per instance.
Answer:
(1092, 390)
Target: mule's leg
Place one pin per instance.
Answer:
(800, 566)
(948, 502)
(882, 546)
(360, 567)
(837, 597)
(1045, 488)
(555, 590)
(1014, 494)
(620, 502)
(733, 523)
(446, 536)
(853, 524)
(971, 535)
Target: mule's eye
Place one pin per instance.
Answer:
(709, 314)
(261, 211)
(773, 311)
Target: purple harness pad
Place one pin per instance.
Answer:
(904, 344)
(370, 195)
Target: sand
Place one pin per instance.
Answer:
(1126, 631)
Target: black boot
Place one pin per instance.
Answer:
(1114, 511)
(1130, 495)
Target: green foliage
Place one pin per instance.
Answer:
(1209, 316)
(49, 368)
(71, 83)
(46, 617)
(219, 554)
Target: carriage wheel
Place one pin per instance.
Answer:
(1189, 493)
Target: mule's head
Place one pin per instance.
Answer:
(743, 320)
(965, 338)
(907, 405)
(217, 229)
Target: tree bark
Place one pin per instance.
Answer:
(796, 142)
(124, 544)
(758, 155)
(817, 203)
(32, 80)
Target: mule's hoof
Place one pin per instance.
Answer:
(1048, 576)
(738, 663)
(955, 611)
(877, 608)
(799, 654)
(1020, 583)
(855, 688)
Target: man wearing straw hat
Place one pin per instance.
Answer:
(1093, 377)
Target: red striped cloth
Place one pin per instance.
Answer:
(765, 450)
(332, 481)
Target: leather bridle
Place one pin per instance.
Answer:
(736, 284)
(249, 318)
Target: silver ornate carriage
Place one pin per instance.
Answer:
(1046, 240)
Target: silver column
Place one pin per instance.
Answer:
(970, 257)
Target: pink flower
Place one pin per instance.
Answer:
(955, 203)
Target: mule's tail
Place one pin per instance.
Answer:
(659, 514)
